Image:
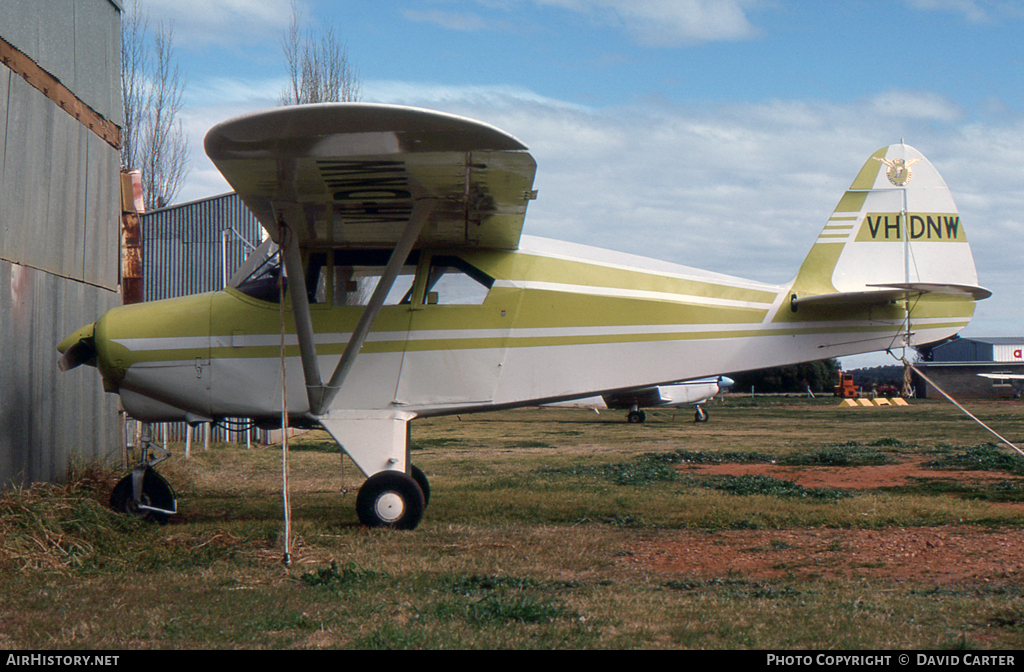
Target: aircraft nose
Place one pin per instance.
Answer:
(78, 348)
(90, 345)
(725, 382)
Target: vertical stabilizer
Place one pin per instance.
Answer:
(896, 224)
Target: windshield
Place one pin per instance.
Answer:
(258, 275)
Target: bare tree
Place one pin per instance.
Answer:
(133, 93)
(319, 70)
(152, 88)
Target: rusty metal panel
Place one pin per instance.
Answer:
(76, 41)
(49, 420)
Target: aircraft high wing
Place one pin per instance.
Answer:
(411, 292)
(687, 393)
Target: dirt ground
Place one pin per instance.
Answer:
(933, 555)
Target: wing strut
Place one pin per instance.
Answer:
(320, 396)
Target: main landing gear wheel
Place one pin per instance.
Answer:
(421, 480)
(700, 415)
(390, 499)
(156, 493)
(636, 416)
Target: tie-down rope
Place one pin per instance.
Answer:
(287, 559)
(957, 404)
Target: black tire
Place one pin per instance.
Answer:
(156, 492)
(390, 499)
(636, 416)
(421, 480)
(700, 415)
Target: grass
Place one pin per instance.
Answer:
(987, 457)
(530, 540)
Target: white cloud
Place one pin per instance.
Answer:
(652, 23)
(432, 95)
(450, 20)
(916, 105)
(975, 11)
(742, 189)
(668, 23)
(199, 22)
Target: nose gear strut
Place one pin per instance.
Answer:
(144, 493)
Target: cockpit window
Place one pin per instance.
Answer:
(349, 278)
(354, 285)
(357, 273)
(259, 274)
(453, 282)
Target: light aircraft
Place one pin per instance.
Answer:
(687, 393)
(412, 293)
(1016, 380)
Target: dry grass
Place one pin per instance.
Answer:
(531, 540)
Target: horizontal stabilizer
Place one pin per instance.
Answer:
(887, 293)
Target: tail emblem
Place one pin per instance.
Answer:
(898, 170)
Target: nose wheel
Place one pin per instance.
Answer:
(154, 499)
(636, 416)
(144, 493)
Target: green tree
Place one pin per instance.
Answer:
(820, 376)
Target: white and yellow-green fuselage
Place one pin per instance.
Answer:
(891, 268)
(554, 325)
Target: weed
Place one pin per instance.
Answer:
(887, 442)
(767, 485)
(850, 454)
(527, 444)
(733, 588)
(333, 578)
(984, 457)
(438, 442)
(641, 471)
(996, 491)
(1007, 618)
(522, 608)
(480, 583)
(700, 457)
(655, 467)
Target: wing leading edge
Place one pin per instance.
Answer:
(350, 174)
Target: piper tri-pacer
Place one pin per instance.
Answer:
(411, 293)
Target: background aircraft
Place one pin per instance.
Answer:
(686, 393)
(397, 249)
(1014, 379)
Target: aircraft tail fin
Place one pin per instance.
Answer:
(895, 234)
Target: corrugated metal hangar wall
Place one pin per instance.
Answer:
(59, 229)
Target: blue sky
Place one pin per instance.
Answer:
(717, 134)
